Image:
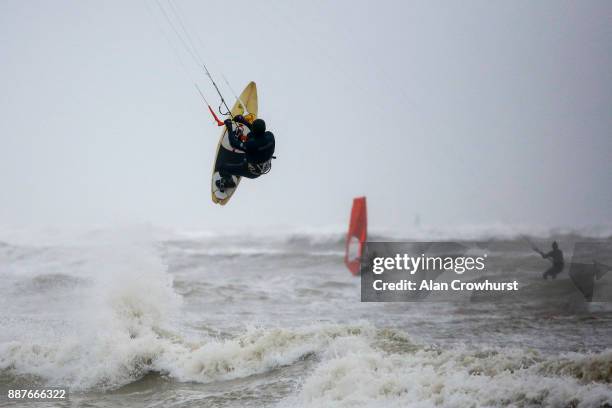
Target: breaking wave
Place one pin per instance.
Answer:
(360, 374)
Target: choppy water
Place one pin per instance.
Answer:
(144, 318)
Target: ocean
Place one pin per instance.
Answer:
(153, 317)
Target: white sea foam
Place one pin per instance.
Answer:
(360, 375)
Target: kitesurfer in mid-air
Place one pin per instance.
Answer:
(556, 257)
(258, 147)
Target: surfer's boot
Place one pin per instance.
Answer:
(224, 183)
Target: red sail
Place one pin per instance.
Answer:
(357, 235)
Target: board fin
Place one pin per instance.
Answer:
(357, 235)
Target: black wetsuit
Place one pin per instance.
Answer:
(556, 256)
(258, 149)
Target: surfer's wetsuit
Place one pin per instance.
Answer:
(258, 149)
(556, 256)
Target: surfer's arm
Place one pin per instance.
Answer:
(241, 119)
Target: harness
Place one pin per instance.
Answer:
(260, 168)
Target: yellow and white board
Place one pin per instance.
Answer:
(225, 152)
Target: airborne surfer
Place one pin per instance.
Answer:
(245, 148)
(258, 145)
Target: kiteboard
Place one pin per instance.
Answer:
(225, 152)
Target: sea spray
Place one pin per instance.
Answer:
(111, 334)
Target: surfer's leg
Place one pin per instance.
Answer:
(250, 175)
(555, 270)
(236, 169)
(226, 171)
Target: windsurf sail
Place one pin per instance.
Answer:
(357, 235)
(584, 276)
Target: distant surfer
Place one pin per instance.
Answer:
(258, 146)
(556, 257)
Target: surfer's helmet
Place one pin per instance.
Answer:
(249, 117)
(259, 126)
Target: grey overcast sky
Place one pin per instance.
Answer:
(465, 113)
